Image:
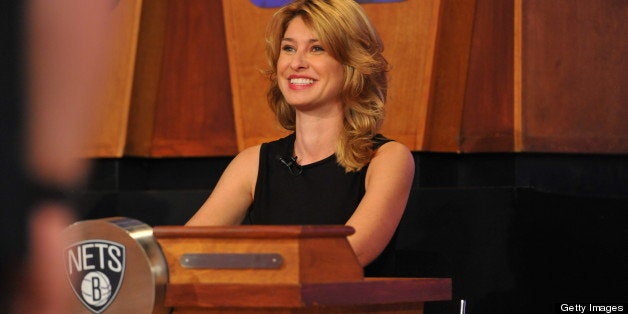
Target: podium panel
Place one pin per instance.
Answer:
(120, 265)
(304, 254)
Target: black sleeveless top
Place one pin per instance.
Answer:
(320, 193)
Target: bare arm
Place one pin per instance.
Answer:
(232, 196)
(388, 182)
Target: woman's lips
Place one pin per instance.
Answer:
(299, 82)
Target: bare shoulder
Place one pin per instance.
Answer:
(245, 165)
(238, 180)
(392, 161)
(393, 153)
(249, 155)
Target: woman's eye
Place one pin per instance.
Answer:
(317, 49)
(287, 48)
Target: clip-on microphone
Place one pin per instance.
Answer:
(292, 165)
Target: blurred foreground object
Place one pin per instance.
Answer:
(52, 63)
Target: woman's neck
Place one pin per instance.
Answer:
(316, 136)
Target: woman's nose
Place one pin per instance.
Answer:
(299, 61)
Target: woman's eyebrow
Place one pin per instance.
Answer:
(292, 40)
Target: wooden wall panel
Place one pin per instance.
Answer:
(453, 45)
(488, 112)
(146, 80)
(467, 76)
(408, 30)
(186, 111)
(195, 116)
(245, 26)
(108, 140)
(574, 76)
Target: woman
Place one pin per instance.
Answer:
(328, 85)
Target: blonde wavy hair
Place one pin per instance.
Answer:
(347, 34)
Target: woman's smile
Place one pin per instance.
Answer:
(298, 82)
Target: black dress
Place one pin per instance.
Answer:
(320, 193)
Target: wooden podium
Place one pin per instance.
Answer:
(240, 269)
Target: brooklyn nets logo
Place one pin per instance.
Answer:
(95, 269)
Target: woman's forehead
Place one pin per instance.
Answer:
(297, 26)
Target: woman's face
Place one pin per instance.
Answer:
(307, 75)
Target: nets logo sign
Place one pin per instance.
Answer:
(95, 269)
(279, 3)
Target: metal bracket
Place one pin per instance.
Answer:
(232, 261)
